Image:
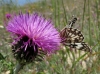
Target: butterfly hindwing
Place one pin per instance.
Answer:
(80, 46)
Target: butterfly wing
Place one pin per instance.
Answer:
(80, 46)
(70, 35)
(74, 39)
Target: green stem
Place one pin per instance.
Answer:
(89, 21)
(54, 10)
(64, 11)
(58, 11)
(83, 13)
(97, 10)
(18, 67)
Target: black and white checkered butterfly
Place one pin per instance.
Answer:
(73, 37)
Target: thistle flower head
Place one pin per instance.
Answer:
(33, 35)
(8, 16)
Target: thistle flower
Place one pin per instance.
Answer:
(8, 16)
(33, 36)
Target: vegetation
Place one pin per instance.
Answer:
(65, 61)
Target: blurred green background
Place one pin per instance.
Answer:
(60, 12)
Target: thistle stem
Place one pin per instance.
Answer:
(18, 67)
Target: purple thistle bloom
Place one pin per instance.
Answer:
(34, 33)
(8, 16)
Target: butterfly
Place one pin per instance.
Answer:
(73, 38)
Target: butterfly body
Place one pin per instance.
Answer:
(73, 38)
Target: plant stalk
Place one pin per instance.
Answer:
(18, 67)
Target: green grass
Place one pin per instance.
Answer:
(64, 61)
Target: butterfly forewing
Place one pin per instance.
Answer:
(71, 35)
(75, 35)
